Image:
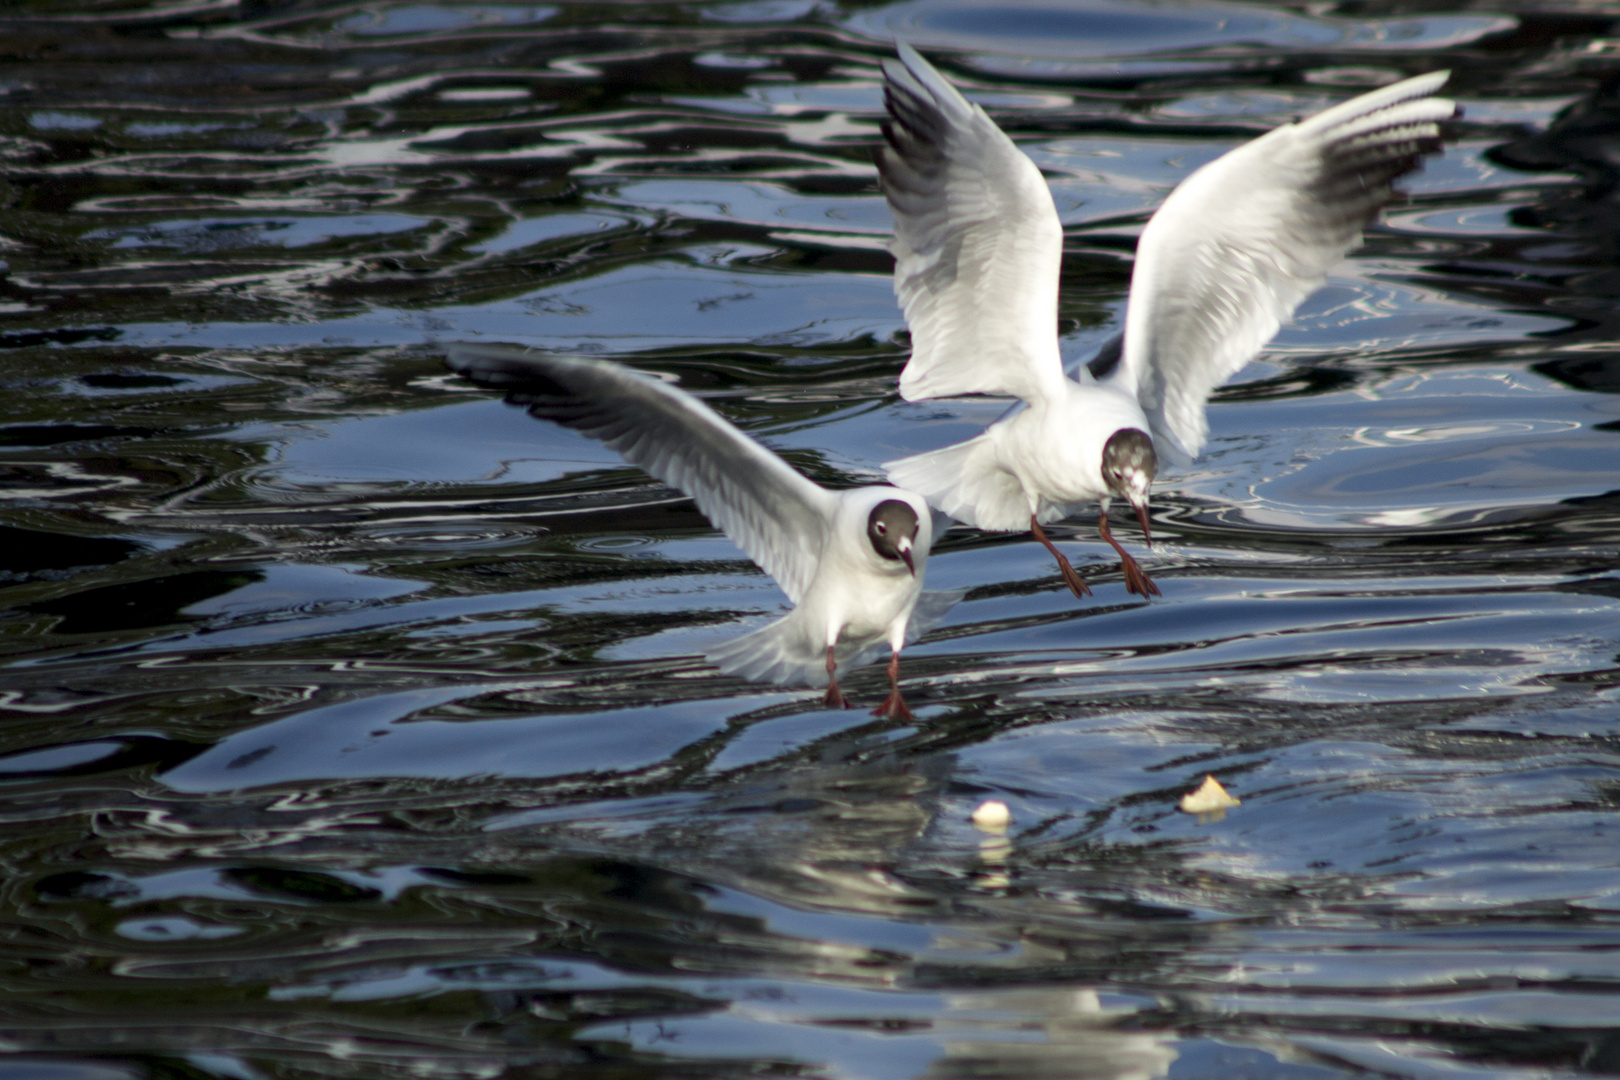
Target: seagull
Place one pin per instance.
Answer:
(1227, 257)
(852, 562)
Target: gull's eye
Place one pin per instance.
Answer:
(880, 527)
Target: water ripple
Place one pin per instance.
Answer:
(355, 722)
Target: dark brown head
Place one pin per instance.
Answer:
(892, 529)
(1128, 467)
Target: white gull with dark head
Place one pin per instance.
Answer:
(852, 562)
(1226, 259)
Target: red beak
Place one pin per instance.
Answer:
(1142, 516)
(905, 554)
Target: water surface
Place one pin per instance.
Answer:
(353, 722)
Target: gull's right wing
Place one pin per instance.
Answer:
(977, 246)
(1245, 238)
(778, 517)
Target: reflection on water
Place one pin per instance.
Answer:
(1104, 29)
(354, 723)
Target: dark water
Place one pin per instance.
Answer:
(353, 724)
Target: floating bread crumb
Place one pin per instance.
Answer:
(992, 816)
(1210, 798)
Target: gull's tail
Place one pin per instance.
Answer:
(931, 610)
(965, 482)
(783, 653)
(775, 653)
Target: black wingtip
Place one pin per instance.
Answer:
(517, 371)
(1107, 359)
(499, 367)
(566, 390)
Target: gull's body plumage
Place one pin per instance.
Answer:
(986, 481)
(1223, 262)
(855, 583)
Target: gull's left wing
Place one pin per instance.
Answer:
(1245, 238)
(778, 517)
(977, 244)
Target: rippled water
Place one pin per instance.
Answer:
(353, 721)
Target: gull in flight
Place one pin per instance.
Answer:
(1223, 262)
(852, 562)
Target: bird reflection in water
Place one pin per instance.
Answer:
(1082, 1038)
(992, 818)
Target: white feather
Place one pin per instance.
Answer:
(977, 244)
(1244, 239)
(1220, 266)
(789, 652)
(966, 481)
(775, 515)
(815, 542)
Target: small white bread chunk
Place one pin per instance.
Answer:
(992, 816)
(1210, 798)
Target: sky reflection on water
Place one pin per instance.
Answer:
(354, 723)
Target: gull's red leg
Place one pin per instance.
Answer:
(1136, 579)
(835, 696)
(893, 707)
(1076, 586)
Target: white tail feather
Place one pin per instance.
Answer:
(965, 482)
(782, 652)
(778, 652)
(931, 610)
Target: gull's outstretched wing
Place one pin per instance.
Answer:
(977, 244)
(1248, 236)
(778, 517)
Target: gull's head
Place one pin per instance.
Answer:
(1128, 467)
(892, 529)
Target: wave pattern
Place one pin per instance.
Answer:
(352, 723)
